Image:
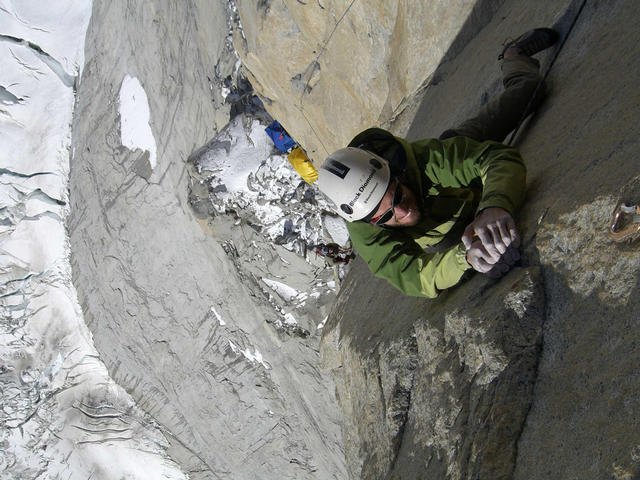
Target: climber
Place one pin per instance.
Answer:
(410, 205)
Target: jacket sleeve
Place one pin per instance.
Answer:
(396, 257)
(458, 161)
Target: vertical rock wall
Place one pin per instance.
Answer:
(430, 389)
(168, 312)
(580, 149)
(435, 389)
(330, 68)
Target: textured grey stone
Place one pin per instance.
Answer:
(331, 68)
(429, 389)
(436, 389)
(235, 400)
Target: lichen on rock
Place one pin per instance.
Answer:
(437, 395)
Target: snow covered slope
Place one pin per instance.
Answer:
(62, 415)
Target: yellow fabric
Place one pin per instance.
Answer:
(301, 163)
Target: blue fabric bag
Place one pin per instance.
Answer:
(280, 137)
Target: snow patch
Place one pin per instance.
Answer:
(323, 323)
(218, 317)
(234, 156)
(337, 228)
(255, 357)
(248, 178)
(283, 290)
(289, 319)
(55, 27)
(135, 130)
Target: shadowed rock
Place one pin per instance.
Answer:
(435, 389)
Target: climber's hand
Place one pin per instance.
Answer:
(496, 230)
(479, 259)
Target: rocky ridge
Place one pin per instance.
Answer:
(437, 392)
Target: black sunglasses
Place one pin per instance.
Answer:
(388, 215)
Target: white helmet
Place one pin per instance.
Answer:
(355, 180)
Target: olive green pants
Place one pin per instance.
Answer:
(521, 78)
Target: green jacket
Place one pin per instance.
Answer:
(453, 179)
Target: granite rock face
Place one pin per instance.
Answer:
(436, 389)
(331, 68)
(580, 150)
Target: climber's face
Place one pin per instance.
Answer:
(398, 207)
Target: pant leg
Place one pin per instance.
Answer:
(521, 78)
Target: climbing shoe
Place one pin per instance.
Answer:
(532, 42)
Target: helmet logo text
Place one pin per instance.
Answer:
(362, 187)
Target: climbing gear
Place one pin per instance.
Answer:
(301, 163)
(355, 180)
(281, 139)
(388, 215)
(532, 42)
(334, 251)
(625, 223)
